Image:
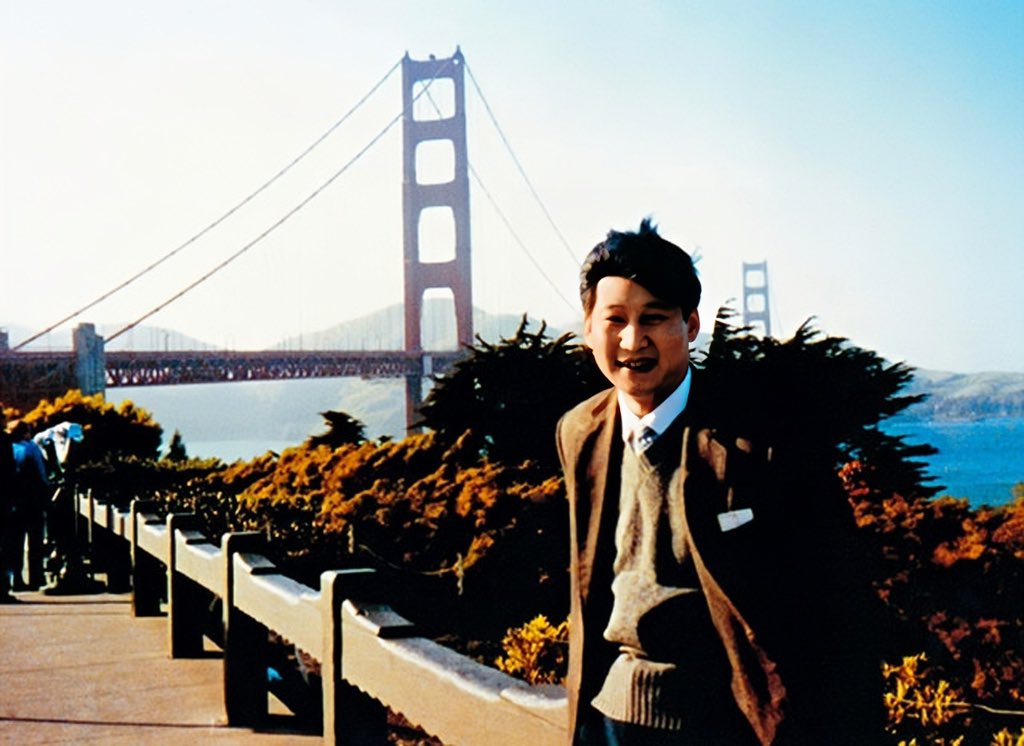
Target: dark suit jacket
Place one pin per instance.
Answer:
(779, 588)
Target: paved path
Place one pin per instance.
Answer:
(80, 669)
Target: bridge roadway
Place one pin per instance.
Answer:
(80, 669)
(124, 368)
(27, 377)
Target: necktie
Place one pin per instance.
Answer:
(643, 440)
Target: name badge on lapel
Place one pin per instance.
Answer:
(734, 519)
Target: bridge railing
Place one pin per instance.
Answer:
(370, 657)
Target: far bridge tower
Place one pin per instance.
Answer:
(755, 296)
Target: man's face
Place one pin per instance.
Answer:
(640, 343)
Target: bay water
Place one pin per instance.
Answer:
(980, 460)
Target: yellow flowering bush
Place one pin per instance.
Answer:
(909, 695)
(1005, 738)
(536, 652)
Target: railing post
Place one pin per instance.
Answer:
(88, 552)
(184, 600)
(245, 643)
(115, 553)
(350, 716)
(148, 580)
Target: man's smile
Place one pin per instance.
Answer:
(638, 365)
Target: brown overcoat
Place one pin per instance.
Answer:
(780, 587)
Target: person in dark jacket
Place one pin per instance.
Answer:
(714, 593)
(32, 499)
(7, 492)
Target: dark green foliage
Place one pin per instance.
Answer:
(821, 396)
(342, 430)
(176, 450)
(119, 479)
(213, 496)
(509, 395)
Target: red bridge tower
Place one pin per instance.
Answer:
(433, 128)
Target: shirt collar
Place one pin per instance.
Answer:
(662, 416)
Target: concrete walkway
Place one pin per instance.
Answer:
(81, 669)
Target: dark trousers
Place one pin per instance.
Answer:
(731, 729)
(12, 556)
(35, 530)
(23, 548)
(6, 540)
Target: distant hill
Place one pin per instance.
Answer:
(384, 330)
(959, 396)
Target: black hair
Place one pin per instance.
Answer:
(664, 269)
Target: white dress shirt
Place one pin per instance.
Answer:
(661, 417)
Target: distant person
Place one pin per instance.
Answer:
(714, 598)
(65, 562)
(31, 501)
(7, 490)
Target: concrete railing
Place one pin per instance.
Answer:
(370, 657)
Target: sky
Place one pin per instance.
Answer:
(871, 152)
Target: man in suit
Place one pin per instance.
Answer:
(713, 598)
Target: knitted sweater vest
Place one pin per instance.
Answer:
(659, 618)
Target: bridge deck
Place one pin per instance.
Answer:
(80, 669)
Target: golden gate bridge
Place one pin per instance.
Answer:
(27, 376)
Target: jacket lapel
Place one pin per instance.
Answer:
(601, 468)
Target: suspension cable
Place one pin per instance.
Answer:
(219, 220)
(519, 166)
(281, 221)
(572, 306)
(501, 214)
